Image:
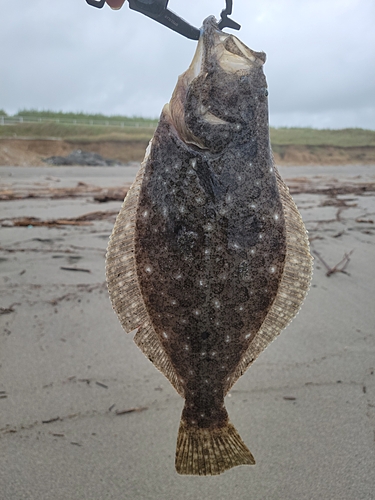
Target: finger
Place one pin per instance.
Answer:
(115, 4)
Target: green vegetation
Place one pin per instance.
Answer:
(97, 127)
(343, 138)
(76, 126)
(72, 132)
(84, 117)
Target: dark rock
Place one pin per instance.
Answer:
(79, 157)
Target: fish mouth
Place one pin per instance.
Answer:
(216, 52)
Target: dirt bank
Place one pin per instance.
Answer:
(30, 152)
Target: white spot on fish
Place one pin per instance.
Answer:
(206, 381)
(165, 335)
(145, 213)
(271, 169)
(252, 251)
(240, 308)
(228, 198)
(173, 302)
(213, 354)
(260, 236)
(148, 269)
(272, 269)
(253, 206)
(208, 227)
(227, 339)
(197, 312)
(216, 303)
(247, 335)
(165, 211)
(276, 216)
(186, 347)
(238, 126)
(199, 200)
(203, 354)
(207, 251)
(182, 209)
(193, 162)
(202, 415)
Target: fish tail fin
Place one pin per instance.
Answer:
(210, 451)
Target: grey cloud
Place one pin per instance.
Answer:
(69, 56)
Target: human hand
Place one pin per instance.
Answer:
(115, 4)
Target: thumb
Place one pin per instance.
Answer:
(115, 4)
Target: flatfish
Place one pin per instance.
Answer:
(209, 258)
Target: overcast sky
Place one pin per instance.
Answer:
(65, 55)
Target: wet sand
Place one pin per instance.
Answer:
(306, 408)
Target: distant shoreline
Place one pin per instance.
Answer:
(26, 151)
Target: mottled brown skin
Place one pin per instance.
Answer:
(210, 232)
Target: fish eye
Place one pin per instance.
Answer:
(266, 92)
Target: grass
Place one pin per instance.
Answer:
(85, 117)
(343, 138)
(73, 132)
(142, 129)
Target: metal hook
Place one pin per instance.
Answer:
(225, 21)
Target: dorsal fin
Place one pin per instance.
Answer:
(294, 284)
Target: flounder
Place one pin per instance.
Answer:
(209, 258)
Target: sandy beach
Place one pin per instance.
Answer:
(84, 415)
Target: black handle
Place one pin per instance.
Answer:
(157, 10)
(96, 3)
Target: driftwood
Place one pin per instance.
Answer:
(82, 220)
(339, 267)
(296, 186)
(80, 190)
(131, 410)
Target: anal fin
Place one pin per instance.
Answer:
(123, 284)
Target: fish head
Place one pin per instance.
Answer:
(223, 95)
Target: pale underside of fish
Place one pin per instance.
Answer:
(209, 258)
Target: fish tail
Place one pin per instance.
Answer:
(210, 451)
